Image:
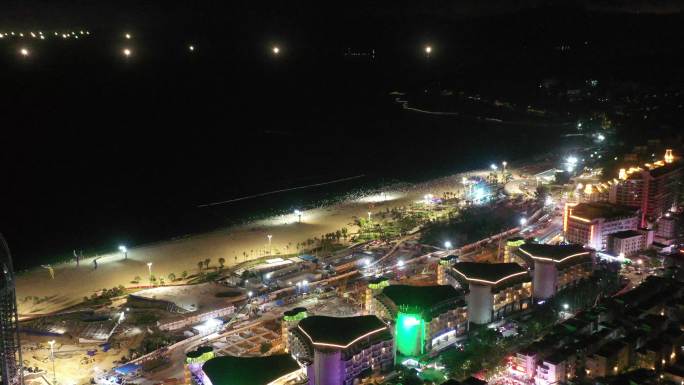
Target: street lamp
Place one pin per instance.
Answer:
(250, 294)
(276, 50)
(270, 249)
(447, 245)
(299, 215)
(504, 163)
(428, 50)
(149, 269)
(128, 36)
(566, 306)
(52, 357)
(523, 221)
(127, 52)
(24, 52)
(493, 167)
(124, 250)
(191, 48)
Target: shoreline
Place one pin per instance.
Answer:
(236, 244)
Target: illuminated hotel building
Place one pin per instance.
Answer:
(426, 318)
(280, 369)
(556, 266)
(374, 288)
(443, 267)
(653, 188)
(291, 343)
(512, 245)
(347, 348)
(494, 290)
(591, 224)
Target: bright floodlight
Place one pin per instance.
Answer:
(523, 221)
(24, 52)
(447, 245)
(276, 50)
(127, 52)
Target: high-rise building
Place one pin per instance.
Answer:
(292, 344)
(654, 188)
(494, 290)
(10, 348)
(591, 224)
(347, 349)
(426, 318)
(556, 266)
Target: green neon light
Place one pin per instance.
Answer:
(379, 285)
(297, 317)
(517, 243)
(410, 334)
(202, 358)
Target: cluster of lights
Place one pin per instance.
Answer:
(40, 35)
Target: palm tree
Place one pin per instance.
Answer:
(222, 261)
(184, 274)
(207, 262)
(200, 264)
(172, 277)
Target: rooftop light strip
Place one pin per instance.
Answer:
(551, 259)
(580, 218)
(490, 282)
(341, 346)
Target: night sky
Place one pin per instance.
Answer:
(97, 150)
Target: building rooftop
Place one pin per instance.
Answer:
(555, 253)
(340, 332)
(229, 370)
(626, 234)
(423, 297)
(489, 273)
(595, 210)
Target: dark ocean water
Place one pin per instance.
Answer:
(99, 150)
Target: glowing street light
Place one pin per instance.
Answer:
(250, 294)
(566, 306)
(24, 52)
(270, 249)
(504, 163)
(428, 50)
(52, 357)
(191, 48)
(299, 215)
(523, 221)
(127, 52)
(276, 50)
(149, 268)
(448, 245)
(128, 36)
(400, 263)
(124, 250)
(493, 167)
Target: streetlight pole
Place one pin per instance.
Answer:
(299, 215)
(270, 249)
(52, 357)
(124, 250)
(149, 270)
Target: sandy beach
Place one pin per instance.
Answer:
(71, 283)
